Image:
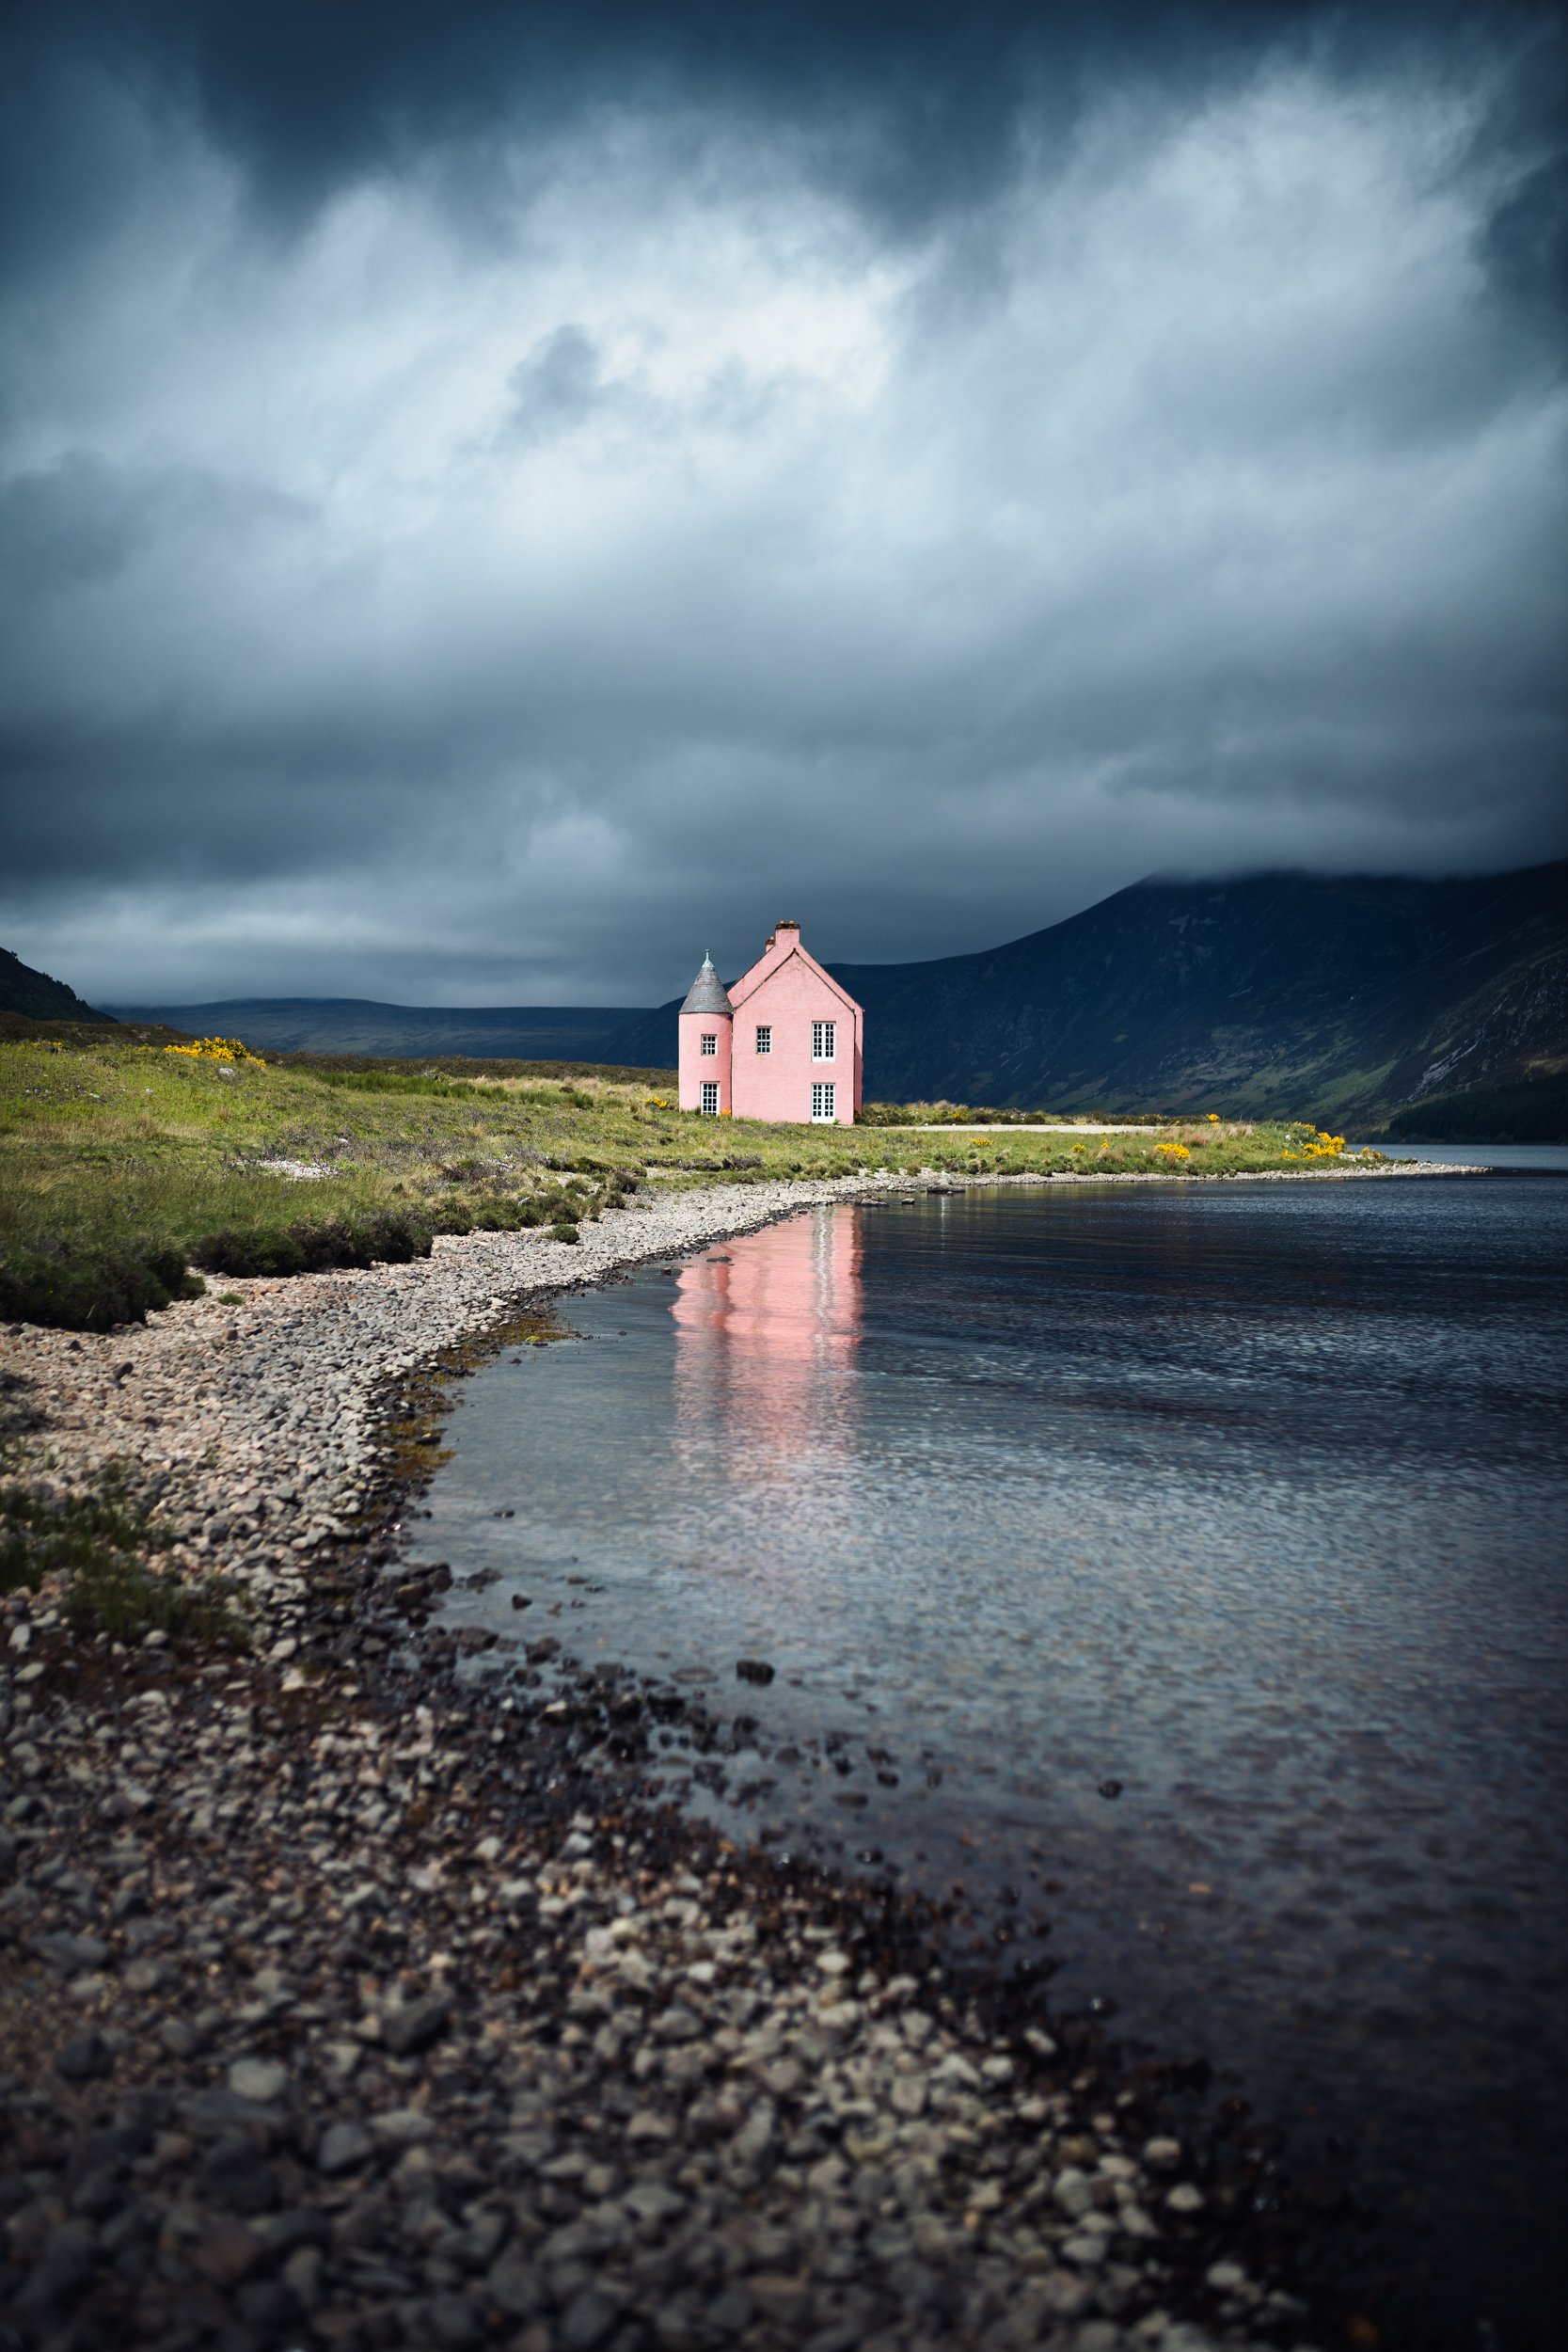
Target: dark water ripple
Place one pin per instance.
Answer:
(1250, 1501)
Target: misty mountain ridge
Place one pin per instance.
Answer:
(354, 1025)
(1340, 998)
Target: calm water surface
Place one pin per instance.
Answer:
(1248, 1498)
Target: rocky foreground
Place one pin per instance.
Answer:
(347, 2001)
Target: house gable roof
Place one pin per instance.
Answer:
(785, 946)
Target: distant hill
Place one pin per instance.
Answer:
(1346, 998)
(350, 1024)
(25, 990)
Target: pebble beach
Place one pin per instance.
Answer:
(351, 1998)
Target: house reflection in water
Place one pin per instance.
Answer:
(767, 1329)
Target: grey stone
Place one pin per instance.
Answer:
(485, 2237)
(451, 2323)
(407, 2031)
(344, 2146)
(83, 2057)
(302, 2274)
(98, 2193)
(677, 2024)
(1074, 2192)
(589, 2321)
(269, 2304)
(262, 2079)
(514, 2286)
(145, 1976)
(71, 1954)
(62, 2270)
(401, 2127)
(237, 2175)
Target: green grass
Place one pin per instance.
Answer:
(129, 1174)
(103, 1547)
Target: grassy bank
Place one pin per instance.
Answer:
(130, 1172)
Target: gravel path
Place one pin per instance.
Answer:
(347, 2003)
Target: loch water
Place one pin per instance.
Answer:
(1173, 1578)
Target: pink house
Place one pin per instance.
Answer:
(784, 1041)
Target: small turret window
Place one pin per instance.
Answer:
(710, 1040)
(765, 1038)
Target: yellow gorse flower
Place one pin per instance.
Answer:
(230, 1049)
(1322, 1145)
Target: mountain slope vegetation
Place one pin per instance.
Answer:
(38, 997)
(352, 1024)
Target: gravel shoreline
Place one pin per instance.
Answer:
(348, 2004)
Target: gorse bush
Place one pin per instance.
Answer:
(222, 1049)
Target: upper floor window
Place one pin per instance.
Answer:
(824, 1038)
(710, 1097)
(710, 1040)
(765, 1038)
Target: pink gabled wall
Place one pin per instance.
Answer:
(787, 990)
(695, 1065)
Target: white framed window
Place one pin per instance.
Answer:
(764, 1038)
(822, 1098)
(710, 1097)
(710, 1040)
(824, 1040)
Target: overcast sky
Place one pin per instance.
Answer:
(496, 500)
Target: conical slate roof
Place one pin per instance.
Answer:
(707, 993)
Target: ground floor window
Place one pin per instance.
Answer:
(710, 1097)
(765, 1038)
(822, 1101)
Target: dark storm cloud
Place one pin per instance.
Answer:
(916, 104)
(491, 496)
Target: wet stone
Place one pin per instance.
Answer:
(84, 2058)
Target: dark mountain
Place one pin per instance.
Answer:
(1301, 992)
(349, 1024)
(23, 990)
